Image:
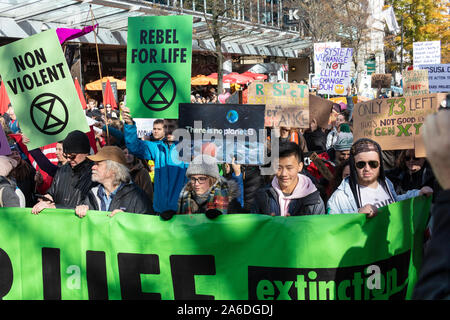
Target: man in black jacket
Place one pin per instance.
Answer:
(290, 192)
(72, 181)
(116, 191)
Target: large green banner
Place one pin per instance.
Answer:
(159, 54)
(41, 89)
(56, 255)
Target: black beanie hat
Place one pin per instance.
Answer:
(76, 142)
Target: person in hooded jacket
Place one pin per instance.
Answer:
(290, 192)
(367, 188)
(139, 172)
(10, 194)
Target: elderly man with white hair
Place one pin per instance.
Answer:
(116, 191)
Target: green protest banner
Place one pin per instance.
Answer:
(56, 255)
(41, 89)
(159, 54)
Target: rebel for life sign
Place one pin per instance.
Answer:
(58, 256)
(395, 123)
(41, 89)
(236, 130)
(159, 54)
(287, 104)
(334, 76)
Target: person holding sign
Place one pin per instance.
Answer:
(170, 171)
(367, 187)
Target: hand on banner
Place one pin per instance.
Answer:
(436, 138)
(114, 212)
(81, 210)
(369, 209)
(41, 205)
(126, 116)
(426, 191)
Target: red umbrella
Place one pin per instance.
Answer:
(4, 99)
(256, 76)
(108, 96)
(80, 94)
(237, 78)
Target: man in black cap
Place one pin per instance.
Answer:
(72, 181)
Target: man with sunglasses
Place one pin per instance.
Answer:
(72, 181)
(367, 187)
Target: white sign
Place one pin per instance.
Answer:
(438, 77)
(144, 126)
(319, 49)
(426, 52)
(334, 77)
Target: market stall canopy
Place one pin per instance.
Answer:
(97, 85)
(256, 76)
(237, 78)
(202, 80)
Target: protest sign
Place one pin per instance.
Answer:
(235, 129)
(380, 80)
(41, 89)
(438, 77)
(365, 87)
(320, 110)
(159, 54)
(144, 126)
(426, 52)
(286, 103)
(334, 76)
(4, 145)
(415, 82)
(319, 49)
(232, 257)
(395, 123)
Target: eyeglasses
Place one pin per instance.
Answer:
(70, 156)
(411, 158)
(200, 180)
(362, 164)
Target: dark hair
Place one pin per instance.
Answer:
(337, 177)
(346, 114)
(159, 121)
(288, 149)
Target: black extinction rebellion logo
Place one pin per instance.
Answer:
(49, 113)
(158, 90)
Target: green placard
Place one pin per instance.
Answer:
(159, 54)
(56, 255)
(41, 89)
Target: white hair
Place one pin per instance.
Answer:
(122, 174)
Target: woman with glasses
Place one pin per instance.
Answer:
(367, 188)
(207, 191)
(411, 172)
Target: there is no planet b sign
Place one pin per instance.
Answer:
(159, 54)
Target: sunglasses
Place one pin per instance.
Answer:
(411, 158)
(200, 180)
(70, 156)
(362, 164)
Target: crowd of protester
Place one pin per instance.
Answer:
(320, 171)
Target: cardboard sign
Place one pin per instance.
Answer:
(415, 82)
(41, 89)
(320, 109)
(221, 124)
(426, 52)
(159, 54)
(395, 123)
(380, 80)
(334, 77)
(286, 103)
(438, 77)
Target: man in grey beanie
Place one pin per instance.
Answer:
(342, 146)
(72, 181)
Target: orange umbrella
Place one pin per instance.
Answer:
(202, 80)
(97, 84)
(4, 99)
(80, 94)
(108, 96)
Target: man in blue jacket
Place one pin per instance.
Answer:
(170, 171)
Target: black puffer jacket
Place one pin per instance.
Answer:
(70, 186)
(253, 181)
(129, 198)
